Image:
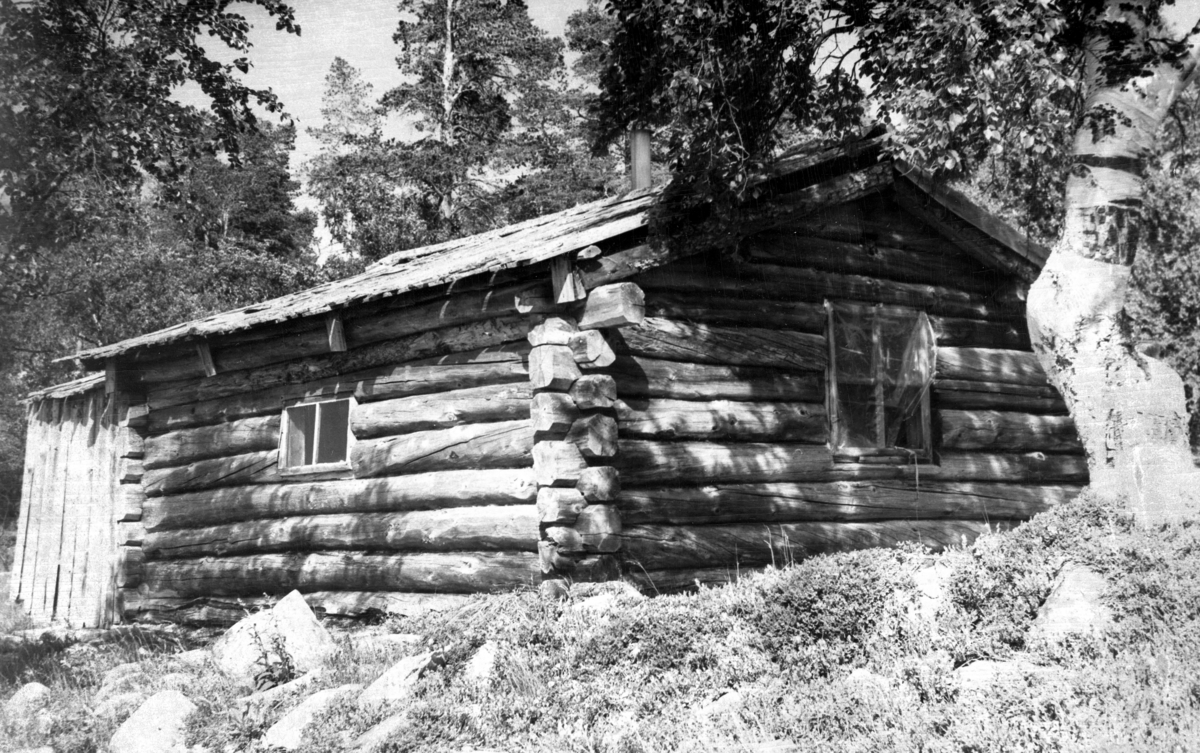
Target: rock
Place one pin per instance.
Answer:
(279, 692)
(622, 590)
(370, 740)
(774, 746)
(253, 644)
(1074, 606)
(43, 722)
(195, 658)
(397, 682)
(931, 591)
(482, 663)
(119, 706)
(27, 700)
(866, 678)
(725, 703)
(156, 727)
(287, 733)
(983, 675)
(174, 680)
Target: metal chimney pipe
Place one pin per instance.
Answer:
(639, 158)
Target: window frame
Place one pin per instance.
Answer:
(872, 454)
(337, 469)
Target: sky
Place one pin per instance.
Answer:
(360, 31)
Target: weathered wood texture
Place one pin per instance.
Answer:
(490, 403)
(840, 501)
(654, 463)
(423, 491)
(504, 364)
(965, 394)
(310, 337)
(648, 463)
(808, 316)
(507, 528)
(777, 282)
(998, 431)
(66, 538)
(640, 377)
(252, 575)
(669, 547)
(712, 344)
(722, 419)
(503, 444)
(234, 438)
(990, 365)
(488, 333)
(951, 268)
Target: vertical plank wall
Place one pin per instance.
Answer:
(65, 553)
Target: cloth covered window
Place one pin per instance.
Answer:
(315, 435)
(881, 363)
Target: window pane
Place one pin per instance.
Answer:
(856, 414)
(301, 427)
(884, 361)
(335, 422)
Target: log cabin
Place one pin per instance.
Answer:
(558, 401)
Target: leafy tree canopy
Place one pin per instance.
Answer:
(85, 98)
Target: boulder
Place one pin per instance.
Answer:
(288, 732)
(119, 706)
(396, 683)
(246, 651)
(265, 698)
(372, 739)
(197, 657)
(726, 703)
(482, 663)
(27, 701)
(156, 727)
(1075, 605)
(985, 674)
(931, 583)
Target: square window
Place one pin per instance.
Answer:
(881, 364)
(315, 437)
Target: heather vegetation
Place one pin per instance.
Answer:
(833, 653)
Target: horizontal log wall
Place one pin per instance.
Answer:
(724, 460)
(438, 485)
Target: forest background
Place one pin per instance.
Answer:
(125, 207)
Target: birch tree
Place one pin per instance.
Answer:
(1082, 84)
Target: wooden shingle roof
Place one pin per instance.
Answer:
(577, 228)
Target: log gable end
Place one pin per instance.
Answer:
(565, 401)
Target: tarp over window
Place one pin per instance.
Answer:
(881, 367)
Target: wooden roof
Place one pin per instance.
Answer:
(68, 389)
(543, 238)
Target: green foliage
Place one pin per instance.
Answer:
(86, 110)
(636, 676)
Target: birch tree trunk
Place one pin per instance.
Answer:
(1129, 409)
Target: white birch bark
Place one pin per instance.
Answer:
(1129, 409)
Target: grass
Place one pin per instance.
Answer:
(825, 654)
